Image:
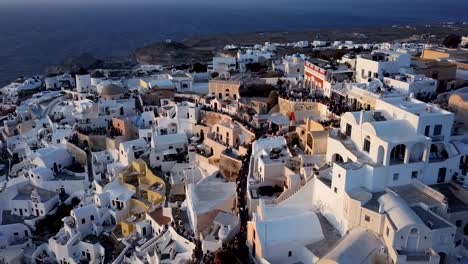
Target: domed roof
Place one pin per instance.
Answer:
(112, 89)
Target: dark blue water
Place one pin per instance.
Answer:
(35, 36)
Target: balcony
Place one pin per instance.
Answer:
(416, 256)
(438, 152)
(437, 138)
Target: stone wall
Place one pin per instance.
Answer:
(287, 106)
(77, 153)
(229, 167)
(212, 118)
(95, 142)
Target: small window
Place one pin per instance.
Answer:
(387, 232)
(92, 217)
(437, 130)
(367, 218)
(254, 234)
(348, 130)
(366, 144)
(396, 176)
(426, 131)
(289, 253)
(414, 175)
(83, 221)
(335, 190)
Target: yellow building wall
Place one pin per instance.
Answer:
(127, 228)
(254, 242)
(434, 54)
(154, 197)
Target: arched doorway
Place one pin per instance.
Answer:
(310, 140)
(465, 230)
(417, 152)
(412, 241)
(397, 155)
(380, 155)
(442, 257)
(295, 141)
(337, 158)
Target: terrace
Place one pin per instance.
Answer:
(276, 155)
(150, 188)
(431, 220)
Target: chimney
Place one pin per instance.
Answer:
(361, 117)
(381, 209)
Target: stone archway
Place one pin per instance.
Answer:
(417, 152)
(310, 140)
(397, 155)
(337, 158)
(380, 155)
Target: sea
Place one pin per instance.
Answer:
(34, 35)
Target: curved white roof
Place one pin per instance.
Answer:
(278, 229)
(207, 196)
(399, 211)
(393, 130)
(54, 154)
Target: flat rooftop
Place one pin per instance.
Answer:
(24, 193)
(331, 238)
(373, 204)
(157, 215)
(415, 106)
(430, 219)
(450, 190)
(423, 64)
(411, 194)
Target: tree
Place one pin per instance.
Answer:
(255, 67)
(452, 41)
(214, 74)
(202, 135)
(198, 67)
(272, 100)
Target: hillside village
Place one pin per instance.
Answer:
(258, 158)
